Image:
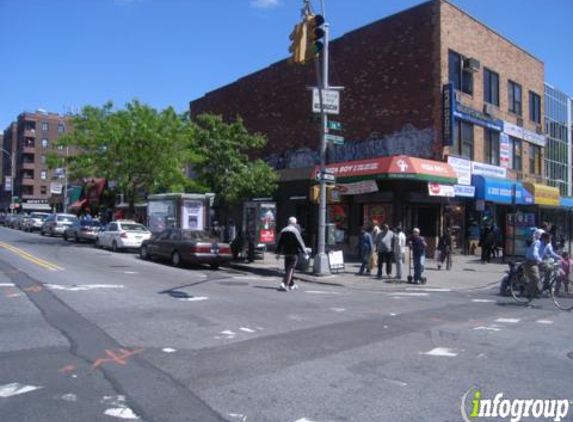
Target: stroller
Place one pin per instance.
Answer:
(411, 269)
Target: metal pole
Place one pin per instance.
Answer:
(66, 182)
(12, 173)
(321, 266)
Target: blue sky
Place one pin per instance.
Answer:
(62, 54)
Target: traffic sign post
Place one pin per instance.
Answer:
(334, 125)
(335, 139)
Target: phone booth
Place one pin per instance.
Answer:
(179, 210)
(259, 225)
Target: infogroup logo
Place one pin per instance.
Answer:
(474, 407)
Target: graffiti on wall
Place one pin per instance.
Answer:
(409, 141)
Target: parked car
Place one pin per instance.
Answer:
(3, 218)
(122, 234)
(56, 224)
(35, 221)
(83, 230)
(17, 221)
(187, 246)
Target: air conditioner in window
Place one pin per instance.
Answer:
(519, 121)
(538, 129)
(473, 65)
(489, 109)
(458, 96)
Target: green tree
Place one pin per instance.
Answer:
(138, 148)
(224, 165)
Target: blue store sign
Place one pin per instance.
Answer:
(501, 191)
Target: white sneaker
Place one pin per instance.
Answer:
(283, 287)
(293, 286)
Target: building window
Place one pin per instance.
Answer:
(45, 143)
(60, 146)
(491, 147)
(517, 153)
(464, 139)
(534, 107)
(44, 174)
(43, 190)
(534, 159)
(490, 87)
(514, 97)
(43, 159)
(463, 80)
(61, 128)
(45, 126)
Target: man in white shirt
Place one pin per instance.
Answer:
(399, 251)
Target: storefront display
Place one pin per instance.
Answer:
(517, 232)
(338, 215)
(381, 213)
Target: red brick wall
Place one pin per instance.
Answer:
(390, 71)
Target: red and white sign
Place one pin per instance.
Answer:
(438, 189)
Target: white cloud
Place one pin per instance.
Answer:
(265, 4)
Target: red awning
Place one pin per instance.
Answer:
(78, 204)
(398, 167)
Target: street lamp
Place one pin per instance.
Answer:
(12, 175)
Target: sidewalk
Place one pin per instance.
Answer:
(468, 273)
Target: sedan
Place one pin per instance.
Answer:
(122, 234)
(82, 230)
(35, 221)
(189, 246)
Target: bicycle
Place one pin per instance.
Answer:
(520, 292)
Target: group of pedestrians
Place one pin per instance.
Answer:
(379, 248)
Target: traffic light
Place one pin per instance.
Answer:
(314, 36)
(298, 43)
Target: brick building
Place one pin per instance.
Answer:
(430, 85)
(30, 139)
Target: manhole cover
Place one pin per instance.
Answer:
(570, 355)
(233, 283)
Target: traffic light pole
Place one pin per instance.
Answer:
(12, 175)
(321, 266)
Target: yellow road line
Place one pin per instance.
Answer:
(30, 257)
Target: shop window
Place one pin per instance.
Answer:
(464, 139)
(491, 147)
(535, 159)
(534, 107)
(462, 79)
(517, 154)
(514, 97)
(490, 87)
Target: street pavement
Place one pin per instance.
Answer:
(91, 335)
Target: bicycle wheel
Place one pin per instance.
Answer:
(518, 288)
(563, 298)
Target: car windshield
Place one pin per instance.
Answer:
(133, 227)
(67, 218)
(39, 216)
(198, 235)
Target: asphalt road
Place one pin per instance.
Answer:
(89, 335)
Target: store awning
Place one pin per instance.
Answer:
(501, 191)
(399, 167)
(542, 194)
(566, 201)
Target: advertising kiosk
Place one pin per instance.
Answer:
(179, 210)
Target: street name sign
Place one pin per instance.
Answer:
(335, 139)
(334, 125)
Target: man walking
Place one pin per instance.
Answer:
(418, 247)
(384, 245)
(290, 244)
(399, 251)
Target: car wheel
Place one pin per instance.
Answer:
(214, 267)
(96, 243)
(176, 259)
(51, 233)
(144, 253)
(114, 247)
(76, 238)
(65, 237)
(42, 233)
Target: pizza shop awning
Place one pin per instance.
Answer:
(399, 167)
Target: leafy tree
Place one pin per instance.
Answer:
(138, 148)
(224, 165)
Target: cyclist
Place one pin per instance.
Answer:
(548, 257)
(531, 266)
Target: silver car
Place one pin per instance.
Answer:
(35, 221)
(82, 230)
(56, 224)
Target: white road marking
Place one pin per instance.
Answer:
(483, 301)
(130, 272)
(238, 415)
(16, 295)
(247, 330)
(544, 321)
(408, 294)
(338, 309)
(7, 285)
(228, 333)
(441, 351)
(194, 299)
(321, 292)
(487, 328)
(305, 420)
(85, 287)
(393, 314)
(508, 320)
(16, 388)
(69, 397)
(427, 289)
(168, 350)
(122, 413)
(482, 356)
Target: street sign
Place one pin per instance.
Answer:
(334, 125)
(335, 139)
(327, 177)
(330, 101)
(8, 183)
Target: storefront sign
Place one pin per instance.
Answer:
(438, 189)
(493, 190)
(488, 170)
(463, 169)
(522, 195)
(504, 151)
(526, 135)
(565, 201)
(267, 223)
(358, 188)
(476, 117)
(465, 191)
(448, 104)
(543, 195)
(56, 188)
